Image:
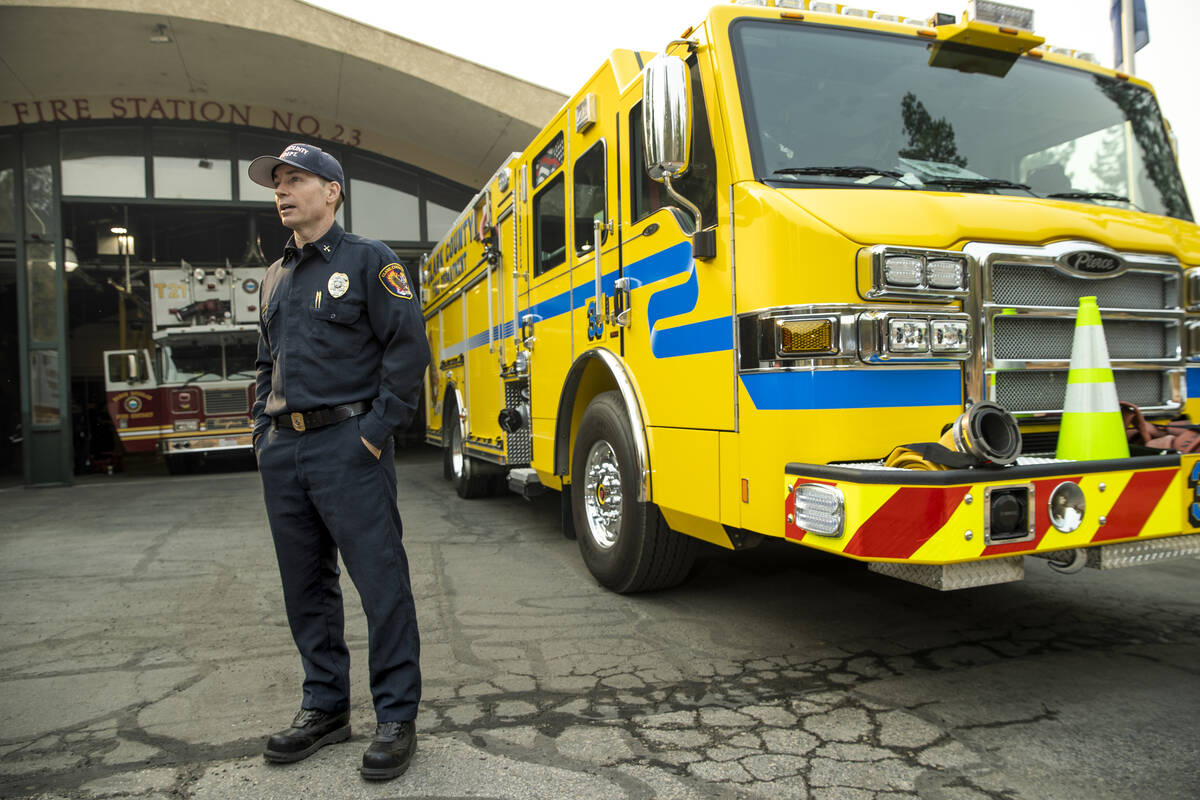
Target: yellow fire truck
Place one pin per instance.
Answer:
(725, 282)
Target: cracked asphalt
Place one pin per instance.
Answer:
(145, 655)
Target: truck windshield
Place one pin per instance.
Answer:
(835, 107)
(203, 360)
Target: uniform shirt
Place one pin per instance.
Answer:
(339, 323)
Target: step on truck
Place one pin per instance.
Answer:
(189, 395)
(725, 282)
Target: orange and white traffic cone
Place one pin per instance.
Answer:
(1092, 427)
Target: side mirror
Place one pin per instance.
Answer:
(666, 117)
(667, 126)
(133, 368)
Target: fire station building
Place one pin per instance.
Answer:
(126, 127)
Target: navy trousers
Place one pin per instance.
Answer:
(326, 493)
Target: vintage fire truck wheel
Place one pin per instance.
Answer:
(471, 478)
(625, 543)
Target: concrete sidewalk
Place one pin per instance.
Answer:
(145, 655)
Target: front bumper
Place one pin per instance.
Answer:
(915, 518)
(212, 442)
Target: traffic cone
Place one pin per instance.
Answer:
(1092, 427)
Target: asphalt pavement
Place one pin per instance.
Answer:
(144, 654)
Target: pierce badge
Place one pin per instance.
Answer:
(339, 283)
(395, 281)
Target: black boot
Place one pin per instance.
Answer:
(311, 730)
(390, 752)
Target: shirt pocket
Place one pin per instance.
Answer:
(338, 327)
(271, 319)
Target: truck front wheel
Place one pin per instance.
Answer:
(625, 543)
(471, 478)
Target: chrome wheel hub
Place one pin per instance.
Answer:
(602, 499)
(456, 451)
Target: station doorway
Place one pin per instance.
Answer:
(111, 248)
(108, 295)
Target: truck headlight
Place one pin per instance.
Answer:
(893, 271)
(908, 335)
(902, 270)
(186, 425)
(948, 336)
(944, 273)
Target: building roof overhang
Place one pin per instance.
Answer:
(277, 64)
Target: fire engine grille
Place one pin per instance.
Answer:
(1026, 285)
(226, 401)
(1043, 390)
(1050, 339)
(1017, 342)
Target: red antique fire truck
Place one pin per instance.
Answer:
(190, 395)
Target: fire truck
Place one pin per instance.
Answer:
(190, 394)
(726, 282)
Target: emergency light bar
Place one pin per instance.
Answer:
(1008, 19)
(1001, 14)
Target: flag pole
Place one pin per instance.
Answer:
(1128, 46)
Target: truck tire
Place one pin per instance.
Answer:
(626, 544)
(447, 462)
(447, 465)
(470, 476)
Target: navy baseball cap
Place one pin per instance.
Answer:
(305, 156)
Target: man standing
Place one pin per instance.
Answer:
(341, 356)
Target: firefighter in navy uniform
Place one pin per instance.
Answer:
(341, 357)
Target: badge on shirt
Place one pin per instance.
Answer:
(339, 283)
(395, 281)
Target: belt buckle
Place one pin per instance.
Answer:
(298, 421)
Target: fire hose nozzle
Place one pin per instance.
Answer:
(987, 431)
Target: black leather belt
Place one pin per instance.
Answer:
(307, 420)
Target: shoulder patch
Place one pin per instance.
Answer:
(395, 281)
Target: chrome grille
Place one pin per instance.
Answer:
(1044, 389)
(1026, 307)
(1030, 285)
(226, 401)
(1024, 338)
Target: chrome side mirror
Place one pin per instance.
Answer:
(667, 125)
(133, 367)
(666, 117)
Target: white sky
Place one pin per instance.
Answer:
(574, 37)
